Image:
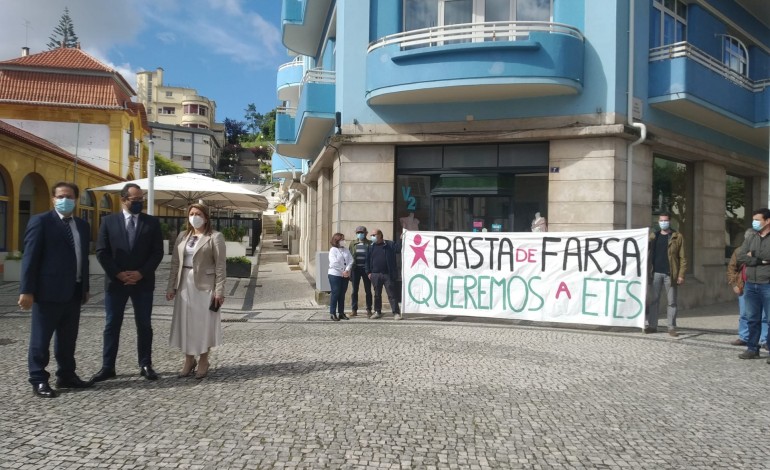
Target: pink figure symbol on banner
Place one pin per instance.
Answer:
(419, 251)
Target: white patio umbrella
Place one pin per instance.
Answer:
(183, 189)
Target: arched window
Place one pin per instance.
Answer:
(87, 206)
(105, 207)
(735, 55)
(3, 215)
(131, 143)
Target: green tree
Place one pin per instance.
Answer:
(253, 118)
(64, 34)
(267, 128)
(164, 166)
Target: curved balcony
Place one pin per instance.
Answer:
(286, 167)
(475, 62)
(691, 84)
(302, 135)
(302, 24)
(195, 119)
(288, 80)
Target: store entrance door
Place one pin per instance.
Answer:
(472, 213)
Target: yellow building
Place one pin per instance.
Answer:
(64, 116)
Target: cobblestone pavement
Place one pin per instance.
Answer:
(290, 389)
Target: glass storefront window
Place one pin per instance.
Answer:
(737, 211)
(672, 184)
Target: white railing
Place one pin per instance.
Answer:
(294, 63)
(684, 49)
(291, 111)
(473, 32)
(319, 76)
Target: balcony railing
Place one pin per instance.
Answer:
(473, 32)
(294, 63)
(319, 76)
(287, 110)
(684, 49)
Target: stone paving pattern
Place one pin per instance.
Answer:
(291, 389)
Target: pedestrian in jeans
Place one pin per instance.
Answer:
(340, 264)
(382, 271)
(667, 265)
(755, 254)
(358, 249)
(735, 279)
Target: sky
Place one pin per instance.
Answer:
(229, 50)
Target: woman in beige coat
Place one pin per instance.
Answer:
(196, 283)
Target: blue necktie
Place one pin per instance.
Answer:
(68, 231)
(131, 231)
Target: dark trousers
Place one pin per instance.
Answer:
(115, 305)
(378, 281)
(339, 286)
(359, 274)
(63, 319)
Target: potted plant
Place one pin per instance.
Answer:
(238, 266)
(165, 230)
(233, 243)
(12, 266)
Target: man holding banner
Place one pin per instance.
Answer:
(382, 271)
(667, 265)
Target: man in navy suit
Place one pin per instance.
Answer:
(54, 283)
(129, 248)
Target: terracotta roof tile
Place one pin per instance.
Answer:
(61, 58)
(39, 142)
(61, 88)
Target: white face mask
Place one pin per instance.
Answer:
(197, 221)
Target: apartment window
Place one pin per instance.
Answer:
(737, 211)
(186, 158)
(669, 22)
(734, 55)
(169, 94)
(672, 192)
(167, 110)
(87, 207)
(428, 13)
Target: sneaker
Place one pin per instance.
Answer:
(764, 346)
(672, 332)
(376, 316)
(738, 342)
(397, 316)
(749, 355)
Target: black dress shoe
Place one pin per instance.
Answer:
(334, 317)
(343, 317)
(73, 382)
(103, 375)
(44, 390)
(148, 373)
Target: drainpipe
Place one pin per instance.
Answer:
(630, 109)
(151, 177)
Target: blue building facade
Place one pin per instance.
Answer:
(481, 114)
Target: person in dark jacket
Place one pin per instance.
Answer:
(381, 268)
(755, 254)
(667, 266)
(358, 249)
(54, 284)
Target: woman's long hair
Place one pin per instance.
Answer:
(207, 229)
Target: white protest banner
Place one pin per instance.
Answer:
(596, 278)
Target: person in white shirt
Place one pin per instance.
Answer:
(340, 264)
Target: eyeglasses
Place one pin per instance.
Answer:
(193, 241)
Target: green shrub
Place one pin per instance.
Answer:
(279, 227)
(13, 256)
(238, 260)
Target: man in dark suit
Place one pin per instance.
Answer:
(129, 248)
(54, 283)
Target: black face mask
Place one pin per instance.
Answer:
(136, 207)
